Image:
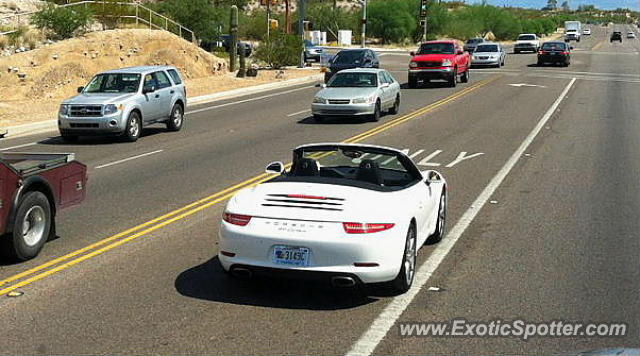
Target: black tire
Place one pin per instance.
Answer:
(404, 279)
(453, 81)
(441, 222)
(413, 82)
(376, 113)
(396, 106)
(466, 76)
(69, 138)
(540, 64)
(34, 215)
(515, 51)
(131, 134)
(176, 120)
(318, 118)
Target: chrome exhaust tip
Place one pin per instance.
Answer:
(342, 282)
(241, 272)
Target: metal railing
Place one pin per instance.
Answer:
(140, 14)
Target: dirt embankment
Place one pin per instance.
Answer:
(34, 82)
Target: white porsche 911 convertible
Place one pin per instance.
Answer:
(350, 214)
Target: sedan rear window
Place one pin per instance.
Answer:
(554, 46)
(526, 38)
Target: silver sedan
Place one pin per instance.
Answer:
(357, 92)
(489, 54)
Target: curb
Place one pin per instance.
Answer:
(52, 125)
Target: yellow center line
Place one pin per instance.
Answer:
(199, 205)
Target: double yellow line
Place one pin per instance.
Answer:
(63, 262)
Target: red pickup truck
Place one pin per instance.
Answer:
(33, 187)
(439, 60)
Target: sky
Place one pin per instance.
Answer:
(602, 4)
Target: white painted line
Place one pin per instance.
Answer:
(19, 146)
(299, 112)
(387, 318)
(128, 159)
(248, 100)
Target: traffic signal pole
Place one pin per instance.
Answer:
(424, 5)
(364, 23)
(302, 8)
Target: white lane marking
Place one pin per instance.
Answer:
(387, 318)
(128, 159)
(19, 146)
(526, 85)
(425, 161)
(461, 157)
(299, 112)
(248, 100)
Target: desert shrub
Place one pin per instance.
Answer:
(280, 50)
(62, 22)
(196, 15)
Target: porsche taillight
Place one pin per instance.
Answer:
(236, 219)
(365, 228)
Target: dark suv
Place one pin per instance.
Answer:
(352, 58)
(616, 36)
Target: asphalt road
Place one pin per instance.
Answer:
(558, 242)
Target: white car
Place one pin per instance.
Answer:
(586, 32)
(631, 35)
(344, 213)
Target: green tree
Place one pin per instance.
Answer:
(199, 16)
(391, 20)
(62, 22)
(326, 17)
(280, 50)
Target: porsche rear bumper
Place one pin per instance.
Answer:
(332, 251)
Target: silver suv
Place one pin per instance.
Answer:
(121, 102)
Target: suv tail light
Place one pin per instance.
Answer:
(236, 219)
(365, 228)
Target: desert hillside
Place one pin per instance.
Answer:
(55, 71)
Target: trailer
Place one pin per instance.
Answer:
(33, 188)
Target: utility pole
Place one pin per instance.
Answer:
(287, 16)
(302, 11)
(268, 18)
(364, 23)
(233, 48)
(424, 5)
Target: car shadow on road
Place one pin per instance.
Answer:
(208, 281)
(337, 120)
(426, 85)
(99, 140)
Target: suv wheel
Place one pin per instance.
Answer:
(453, 80)
(177, 118)
(134, 127)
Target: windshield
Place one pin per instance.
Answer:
(554, 46)
(346, 57)
(363, 167)
(114, 83)
(487, 48)
(527, 38)
(437, 48)
(353, 80)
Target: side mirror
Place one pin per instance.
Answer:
(412, 53)
(148, 89)
(384, 85)
(80, 89)
(321, 85)
(275, 168)
(571, 48)
(431, 177)
(461, 51)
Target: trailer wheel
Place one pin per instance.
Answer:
(31, 226)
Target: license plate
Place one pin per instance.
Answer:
(291, 256)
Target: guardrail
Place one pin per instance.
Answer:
(140, 14)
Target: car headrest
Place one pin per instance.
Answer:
(369, 171)
(306, 167)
